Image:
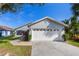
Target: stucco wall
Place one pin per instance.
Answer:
(47, 24)
(6, 33)
(55, 34)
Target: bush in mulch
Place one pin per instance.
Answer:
(75, 37)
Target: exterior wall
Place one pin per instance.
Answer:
(47, 24)
(61, 34)
(55, 34)
(41, 24)
(6, 33)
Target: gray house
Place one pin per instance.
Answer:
(45, 29)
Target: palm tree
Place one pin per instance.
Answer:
(72, 22)
(66, 22)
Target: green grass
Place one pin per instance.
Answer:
(14, 50)
(72, 42)
(9, 38)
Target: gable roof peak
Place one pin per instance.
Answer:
(47, 17)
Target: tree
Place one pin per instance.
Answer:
(73, 22)
(72, 28)
(75, 9)
(14, 7)
(66, 22)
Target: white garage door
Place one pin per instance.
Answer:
(44, 34)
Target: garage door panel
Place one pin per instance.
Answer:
(44, 35)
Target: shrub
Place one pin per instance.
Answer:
(66, 37)
(75, 37)
(30, 37)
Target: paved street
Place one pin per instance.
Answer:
(54, 49)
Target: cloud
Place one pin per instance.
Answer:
(7, 19)
(31, 15)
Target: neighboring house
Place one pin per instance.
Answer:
(46, 29)
(5, 31)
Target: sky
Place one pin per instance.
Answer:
(30, 13)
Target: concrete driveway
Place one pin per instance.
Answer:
(50, 48)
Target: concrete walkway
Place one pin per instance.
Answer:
(54, 49)
(21, 43)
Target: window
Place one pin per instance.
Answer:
(37, 29)
(50, 29)
(57, 29)
(42, 29)
(54, 29)
(47, 29)
(34, 29)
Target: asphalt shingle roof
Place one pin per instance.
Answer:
(5, 28)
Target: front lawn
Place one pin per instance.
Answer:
(72, 42)
(6, 47)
